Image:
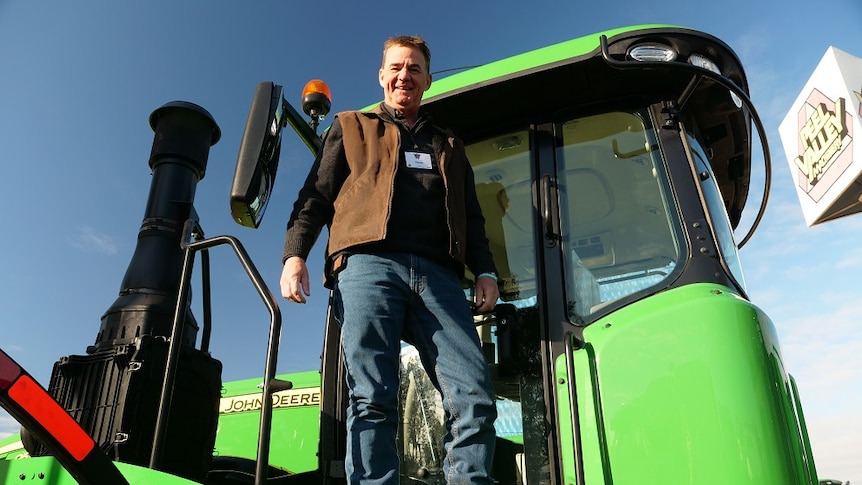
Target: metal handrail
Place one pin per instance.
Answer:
(270, 383)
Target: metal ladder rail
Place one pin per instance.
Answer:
(270, 384)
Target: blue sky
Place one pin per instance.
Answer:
(78, 81)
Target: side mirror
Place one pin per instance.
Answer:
(260, 148)
(259, 151)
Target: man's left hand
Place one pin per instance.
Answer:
(487, 294)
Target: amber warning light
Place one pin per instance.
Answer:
(316, 101)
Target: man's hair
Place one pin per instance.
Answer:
(414, 41)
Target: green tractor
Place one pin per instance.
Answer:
(624, 349)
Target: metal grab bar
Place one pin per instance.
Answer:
(270, 383)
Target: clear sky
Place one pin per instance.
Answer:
(78, 81)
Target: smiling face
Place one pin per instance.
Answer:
(404, 77)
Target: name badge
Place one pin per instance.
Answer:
(418, 160)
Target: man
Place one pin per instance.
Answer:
(398, 196)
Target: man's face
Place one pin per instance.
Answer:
(404, 77)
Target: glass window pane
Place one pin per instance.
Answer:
(617, 219)
(718, 213)
(501, 166)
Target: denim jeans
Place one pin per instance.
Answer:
(380, 299)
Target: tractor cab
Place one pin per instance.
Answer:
(612, 172)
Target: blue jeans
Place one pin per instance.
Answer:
(380, 299)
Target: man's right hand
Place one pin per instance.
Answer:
(294, 280)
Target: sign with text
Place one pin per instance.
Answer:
(282, 399)
(818, 137)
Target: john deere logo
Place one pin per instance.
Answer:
(824, 139)
(282, 399)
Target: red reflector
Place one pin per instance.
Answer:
(28, 394)
(9, 371)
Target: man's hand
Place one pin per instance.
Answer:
(487, 294)
(294, 280)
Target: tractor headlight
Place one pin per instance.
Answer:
(705, 63)
(652, 52)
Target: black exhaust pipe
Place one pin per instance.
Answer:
(184, 133)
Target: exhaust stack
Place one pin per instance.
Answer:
(184, 133)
